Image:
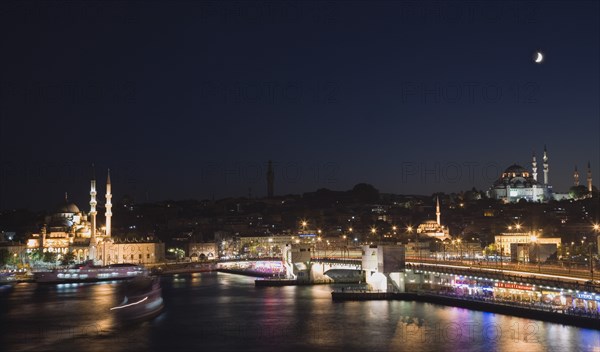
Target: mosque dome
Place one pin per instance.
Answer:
(515, 171)
(60, 222)
(68, 208)
(515, 176)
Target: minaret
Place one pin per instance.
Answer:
(270, 179)
(589, 178)
(534, 168)
(108, 205)
(576, 177)
(545, 166)
(437, 210)
(93, 213)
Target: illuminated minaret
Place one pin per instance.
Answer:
(576, 177)
(545, 166)
(589, 178)
(437, 210)
(108, 204)
(270, 179)
(93, 213)
(534, 167)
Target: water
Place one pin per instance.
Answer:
(224, 312)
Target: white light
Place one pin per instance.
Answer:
(130, 304)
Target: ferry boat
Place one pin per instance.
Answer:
(88, 272)
(143, 300)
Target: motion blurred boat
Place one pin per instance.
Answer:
(184, 268)
(7, 281)
(88, 272)
(143, 300)
(7, 277)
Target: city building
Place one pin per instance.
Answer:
(434, 228)
(70, 230)
(517, 183)
(202, 251)
(505, 242)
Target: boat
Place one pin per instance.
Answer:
(7, 277)
(184, 269)
(7, 280)
(88, 272)
(143, 300)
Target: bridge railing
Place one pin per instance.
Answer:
(575, 284)
(523, 267)
(337, 260)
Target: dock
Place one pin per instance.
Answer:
(523, 311)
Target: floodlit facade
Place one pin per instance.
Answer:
(70, 230)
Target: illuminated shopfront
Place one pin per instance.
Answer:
(516, 292)
(587, 302)
(472, 286)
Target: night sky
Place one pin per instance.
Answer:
(191, 99)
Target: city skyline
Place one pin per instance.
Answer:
(75, 178)
(286, 175)
(334, 94)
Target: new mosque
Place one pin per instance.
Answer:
(70, 230)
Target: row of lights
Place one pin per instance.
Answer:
(496, 280)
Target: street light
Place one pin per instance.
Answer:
(534, 240)
(596, 228)
(373, 231)
(317, 246)
(304, 223)
(444, 253)
(409, 229)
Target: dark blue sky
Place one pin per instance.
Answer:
(190, 99)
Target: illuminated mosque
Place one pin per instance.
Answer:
(69, 230)
(517, 183)
(434, 228)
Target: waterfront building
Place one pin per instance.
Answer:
(505, 243)
(202, 251)
(70, 230)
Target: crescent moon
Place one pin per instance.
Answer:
(539, 57)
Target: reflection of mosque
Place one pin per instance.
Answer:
(69, 230)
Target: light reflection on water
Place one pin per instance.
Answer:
(226, 312)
